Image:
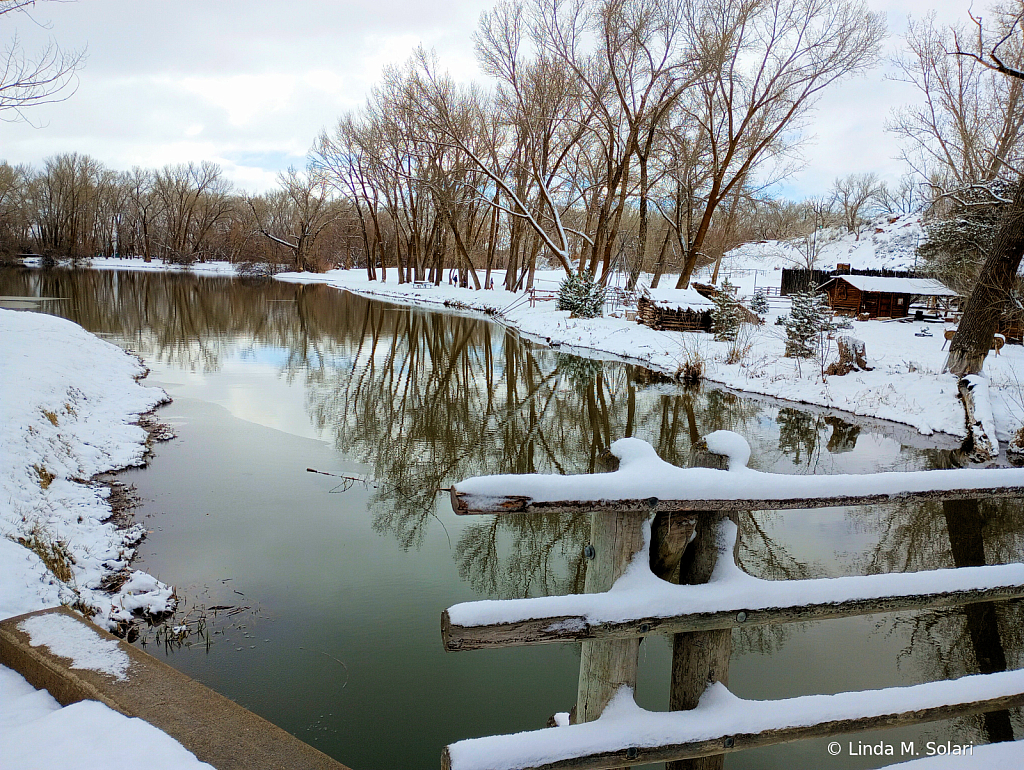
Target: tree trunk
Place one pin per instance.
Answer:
(991, 294)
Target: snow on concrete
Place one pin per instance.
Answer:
(68, 412)
(37, 734)
(719, 714)
(639, 594)
(67, 638)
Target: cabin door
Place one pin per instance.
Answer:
(885, 306)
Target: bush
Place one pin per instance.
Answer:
(581, 295)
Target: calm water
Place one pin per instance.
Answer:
(335, 587)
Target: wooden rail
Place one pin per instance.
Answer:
(551, 629)
(465, 503)
(692, 734)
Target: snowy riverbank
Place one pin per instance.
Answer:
(906, 385)
(69, 411)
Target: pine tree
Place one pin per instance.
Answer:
(725, 318)
(759, 302)
(809, 317)
(581, 295)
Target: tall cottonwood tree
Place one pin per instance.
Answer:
(777, 59)
(992, 292)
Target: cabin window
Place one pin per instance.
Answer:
(899, 300)
(841, 290)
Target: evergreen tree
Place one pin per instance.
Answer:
(759, 302)
(725, 318)
(581, 295)
(809, 317)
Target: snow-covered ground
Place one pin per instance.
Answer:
(37, 734)
(68, 410)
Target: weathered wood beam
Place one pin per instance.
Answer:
(574, 628)
(471, 504)
(454, 757)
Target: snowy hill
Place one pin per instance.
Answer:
(889, 243)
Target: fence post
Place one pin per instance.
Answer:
(700, 658)
(607, 665)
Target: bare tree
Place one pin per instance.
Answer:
(777, 58)
(296, 215)
(852, 196)
(992, 293)
(969, 124)
(28, 80)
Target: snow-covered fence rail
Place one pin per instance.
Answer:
(664, 608)
(627, 597)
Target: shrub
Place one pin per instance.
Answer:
(759, 302)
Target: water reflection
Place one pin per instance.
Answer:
(421, 400)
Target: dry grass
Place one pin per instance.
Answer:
(54, 552)
(45, 477)
(740, 347)
(51, 416)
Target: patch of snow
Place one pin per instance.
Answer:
(995, 756)
(642, 474)
(730, 444)
(69, 638)
(680, 299)
(25, 583)
(37, 734)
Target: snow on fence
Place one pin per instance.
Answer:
(632, 558)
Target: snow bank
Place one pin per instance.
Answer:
(69, 410)
(35, 732)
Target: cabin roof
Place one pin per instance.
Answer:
(680, 299)
(923, 287)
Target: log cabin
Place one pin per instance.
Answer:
(879, 297)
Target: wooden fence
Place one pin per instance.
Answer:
(690, 536)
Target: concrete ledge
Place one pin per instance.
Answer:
(217, 730)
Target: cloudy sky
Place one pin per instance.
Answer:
(249, 84)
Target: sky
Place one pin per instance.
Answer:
(249, 84)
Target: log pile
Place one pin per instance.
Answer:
(660, 317)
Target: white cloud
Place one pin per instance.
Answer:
(250, 83)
